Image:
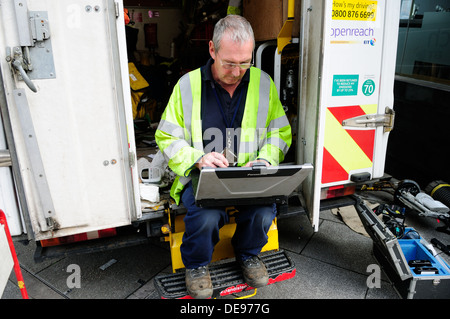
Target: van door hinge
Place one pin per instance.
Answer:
(116, 8)
(372, 120)
(131, 158)
(50, 223)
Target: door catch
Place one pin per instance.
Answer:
(372, 121)
(17, 64)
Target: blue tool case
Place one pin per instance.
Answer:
(411, 264)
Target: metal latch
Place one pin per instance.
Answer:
(21, 64)
(33, 57)
(372, 120)
(5, 158)
(131, 157)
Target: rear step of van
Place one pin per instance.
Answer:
(227, 277)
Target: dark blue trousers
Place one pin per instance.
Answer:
(202, 227)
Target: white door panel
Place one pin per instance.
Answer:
(80, 115)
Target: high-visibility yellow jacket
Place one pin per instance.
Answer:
(265, 131)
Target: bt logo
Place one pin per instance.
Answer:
(371, 42)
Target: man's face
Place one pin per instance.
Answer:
(225, 68)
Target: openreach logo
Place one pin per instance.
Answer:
(353, 36)
(352, 32)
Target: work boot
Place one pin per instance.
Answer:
(198, 283)
(255, 273)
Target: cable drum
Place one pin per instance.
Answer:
(440, 191)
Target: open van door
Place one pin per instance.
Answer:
(309, 110)
(347, 78)
(65, 77)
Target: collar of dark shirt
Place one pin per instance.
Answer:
(207, 75)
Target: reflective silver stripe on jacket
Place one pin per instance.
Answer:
(170, 128)
(277, 123)
(278, 142)
(264, 97)
(184, 180)
(261, 119)
(174, 147)
(186, 101)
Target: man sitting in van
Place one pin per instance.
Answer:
(224, 108)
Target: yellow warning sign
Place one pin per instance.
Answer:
(355, 10)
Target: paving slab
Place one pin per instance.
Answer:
(331, 264)
(317, 280)
(336, 245)
(113, 274)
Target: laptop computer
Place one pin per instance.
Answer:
(256, 185)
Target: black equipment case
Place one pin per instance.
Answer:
(411, 264)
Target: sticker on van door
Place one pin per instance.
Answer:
(346, 151)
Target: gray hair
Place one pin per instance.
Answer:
(239, 29)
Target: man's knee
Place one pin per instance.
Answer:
(211, 219)
(265, 215)
(207, 220)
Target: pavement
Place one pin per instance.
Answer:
(333, 263)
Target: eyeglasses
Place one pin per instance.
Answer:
(230, 66)
(242, 66)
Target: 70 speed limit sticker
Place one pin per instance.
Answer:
(356, 10)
